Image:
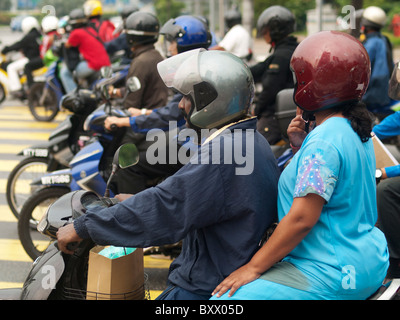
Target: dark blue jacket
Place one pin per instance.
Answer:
(220, 215)
(160, 117)
(379, 51)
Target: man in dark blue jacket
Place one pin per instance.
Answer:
(379, 50)
(181, 34)
(220, 203)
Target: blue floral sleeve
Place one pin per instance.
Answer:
(317, 171)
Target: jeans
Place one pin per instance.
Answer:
(82, 71)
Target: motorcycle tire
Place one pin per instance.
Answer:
(20, 178)
(46, 111)
(2, 93)
(33, 242)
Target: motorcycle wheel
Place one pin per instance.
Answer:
(19, 179)
(2, 93)
(46, 111)
(33, 242)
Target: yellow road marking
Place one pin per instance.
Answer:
(23, 188)
(28, 124)
(12, 250)
(24, 135)
(13, 148)
(6, 215)
(7, 166)
(7, 285)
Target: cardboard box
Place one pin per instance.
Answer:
(115, 279)
(382, 155)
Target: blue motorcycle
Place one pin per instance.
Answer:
(65, 141)
(88, 170)
(44, 97)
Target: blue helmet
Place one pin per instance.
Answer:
(189, 32)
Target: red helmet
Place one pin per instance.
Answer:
(330, 68)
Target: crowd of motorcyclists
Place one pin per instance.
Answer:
(324, 201)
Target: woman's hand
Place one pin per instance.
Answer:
(236, 279)
(296, 130)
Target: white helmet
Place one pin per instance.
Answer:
(373, 17)
(29, 23)
(49, 23)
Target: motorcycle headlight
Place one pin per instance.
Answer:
(43, 223)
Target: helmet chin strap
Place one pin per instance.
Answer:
(308, 116)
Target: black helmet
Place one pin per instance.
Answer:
(141, 28)
(278, 20)
(232, 17)
(128, 10)
(77, 18)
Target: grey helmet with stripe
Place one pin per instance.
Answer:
(219, 85)
(141, 28)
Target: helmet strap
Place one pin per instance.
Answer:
(308, 117)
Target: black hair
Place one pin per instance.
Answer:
(361, 119)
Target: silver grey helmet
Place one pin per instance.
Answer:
(219, 84)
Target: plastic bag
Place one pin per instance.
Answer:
(112, 252)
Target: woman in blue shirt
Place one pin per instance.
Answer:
(326, 245)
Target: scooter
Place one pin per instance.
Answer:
(38, 75)
(55, 275)
(56, 153)
(88, 170)
(63, 143)
(44, 97)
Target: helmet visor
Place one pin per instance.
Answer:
(171, 30)
(181, 72)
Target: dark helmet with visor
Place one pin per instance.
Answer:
(141, 28)
(278, 20)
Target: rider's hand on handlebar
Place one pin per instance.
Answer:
(119, 122)
(65, 236)
(134, 112)
(123, 196)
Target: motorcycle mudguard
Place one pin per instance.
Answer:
(42, 150)
(44, 275)
(91, 152)
(58, 137)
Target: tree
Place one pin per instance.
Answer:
(167, 9)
